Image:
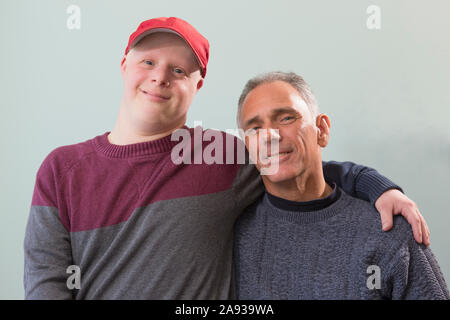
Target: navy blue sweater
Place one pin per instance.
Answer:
(332, 248)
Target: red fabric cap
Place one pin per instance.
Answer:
(198, 43)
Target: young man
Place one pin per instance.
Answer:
(135, 223)
(306, 238)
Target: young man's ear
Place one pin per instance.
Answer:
(199, 84)
(323, 129)
(123, 64)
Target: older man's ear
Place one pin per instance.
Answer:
(323, 129)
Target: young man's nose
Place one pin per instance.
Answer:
(161, 76)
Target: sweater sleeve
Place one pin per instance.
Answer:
(413, 271)
(47, 249)
(358, 181)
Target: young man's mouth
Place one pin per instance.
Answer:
(153, 96)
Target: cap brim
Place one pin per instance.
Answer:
(156, 30)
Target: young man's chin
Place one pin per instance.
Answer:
(153, 104)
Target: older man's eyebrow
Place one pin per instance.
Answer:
(276, 112)
(255, 119)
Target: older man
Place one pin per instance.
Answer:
(130, 222)
(305, 238)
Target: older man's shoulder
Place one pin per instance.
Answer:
(368, 221)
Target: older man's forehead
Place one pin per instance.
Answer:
(275, 104)
(276, 91)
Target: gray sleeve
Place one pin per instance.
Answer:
(247, 186)
(415, 273)
(47, 255)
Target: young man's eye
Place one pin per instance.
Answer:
(178, 71)
(148, 62)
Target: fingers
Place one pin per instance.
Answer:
(414, 219)
(418, 224)
(393, 203)
(425, 230)
(386, 219)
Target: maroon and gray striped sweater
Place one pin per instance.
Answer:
(141, 227)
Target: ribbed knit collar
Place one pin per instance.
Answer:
(305, 206)
(307, 216)
(102, 145)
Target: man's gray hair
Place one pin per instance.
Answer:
(289, 77)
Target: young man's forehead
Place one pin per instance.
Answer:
(161, 40)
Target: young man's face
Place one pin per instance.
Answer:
(161, 77)
(278, 106)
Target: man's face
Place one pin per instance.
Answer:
(278, 106)
(161, 77)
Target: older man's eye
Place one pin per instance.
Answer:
(287, 119)
(252, 131)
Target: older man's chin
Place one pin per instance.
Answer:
(275, 174)
(280, 175)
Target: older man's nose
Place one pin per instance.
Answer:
(271, 140)
(271, 134)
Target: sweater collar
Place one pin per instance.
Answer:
(313, 216)
(305, 206)
(162, 145)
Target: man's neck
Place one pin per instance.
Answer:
(125, 132)
(306, 187)
(119, 137)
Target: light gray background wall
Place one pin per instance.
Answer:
(386, 91)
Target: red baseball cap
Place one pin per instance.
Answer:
(198, 43)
